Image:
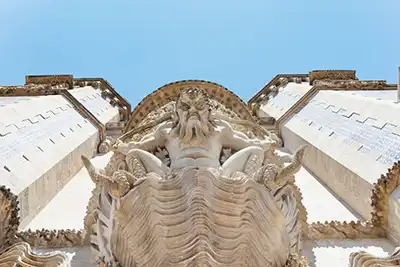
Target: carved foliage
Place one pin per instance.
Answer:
(380, 196)
(50, 238)
(9, 220)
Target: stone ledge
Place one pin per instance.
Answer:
(52, 80)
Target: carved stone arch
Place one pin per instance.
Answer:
(170, 92)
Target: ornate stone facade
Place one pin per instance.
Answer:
(195, 180)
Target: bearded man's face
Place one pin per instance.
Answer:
(193, 110)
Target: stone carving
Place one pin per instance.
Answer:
(21, 254)
(9, 220)
(106, 145)
(181, 194)
(332, 75)
(343, 230)
(351, 84)
(169, 92)
(50, 238)
(364, 259)
(380, 196)
(50, 79)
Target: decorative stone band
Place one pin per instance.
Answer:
(50, 238)
(170, 92)
(21, 254)
(32, 90)
(343, 230)
(50, 79)
(353, 85)
(332, 75)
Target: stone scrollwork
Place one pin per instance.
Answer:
(365, 259)
(21, 254)
(194, 185)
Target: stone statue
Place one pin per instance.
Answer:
(194, 184)
(194, 139)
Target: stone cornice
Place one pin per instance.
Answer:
(84, 112)
(321, 80)
(354, 85)
(331, 75)
(170, 92)
(42, 85)
(277, 82)
(52, 80)
(107, 92)
(60, 89)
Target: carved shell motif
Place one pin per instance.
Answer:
(199, 218)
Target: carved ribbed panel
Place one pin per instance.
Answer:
(199, 219)
(21, 255)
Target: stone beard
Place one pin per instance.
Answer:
(193, 116)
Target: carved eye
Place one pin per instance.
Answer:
(184, 106)
(201, 106)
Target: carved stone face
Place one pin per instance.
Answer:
(193, 110)
(193, 105)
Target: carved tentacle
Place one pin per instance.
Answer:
(120, 183)
(294, 166)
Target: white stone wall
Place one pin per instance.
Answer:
(99, 107)
(41, 141)
(354, 140)
(280, 103)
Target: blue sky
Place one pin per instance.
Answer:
(141, 45)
